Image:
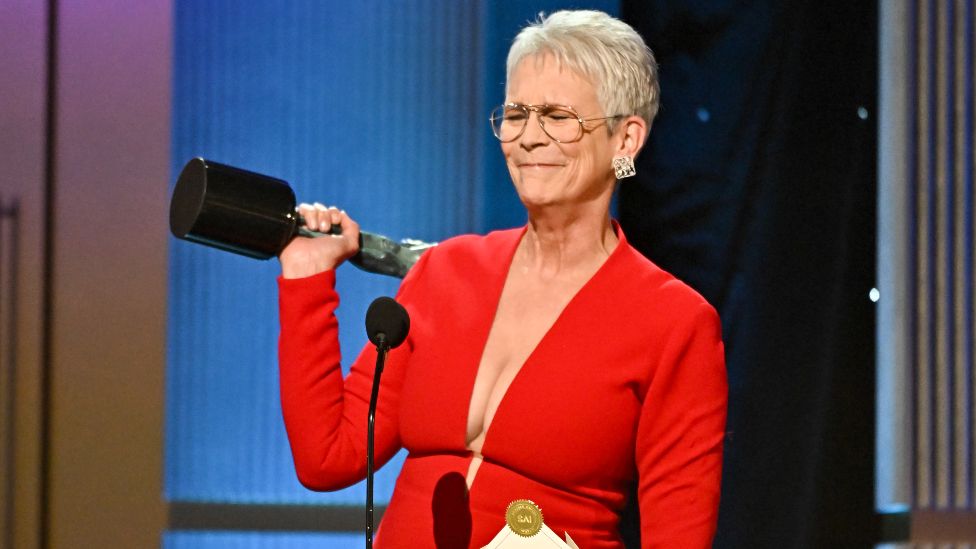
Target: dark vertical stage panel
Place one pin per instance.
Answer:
(758, 189)
(9, 273)
(47, 293)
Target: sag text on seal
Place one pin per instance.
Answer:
(524, 517)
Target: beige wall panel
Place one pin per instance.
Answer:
(110, 273)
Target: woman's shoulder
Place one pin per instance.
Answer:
(656, 286)
(482, 243)
(474, 250)
(462, 264)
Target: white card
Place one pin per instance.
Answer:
(544, 539)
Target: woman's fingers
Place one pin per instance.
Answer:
(308, 256)
(350, 229)
(319, 217)
(335, 218)
(328, 216)
(310, 215)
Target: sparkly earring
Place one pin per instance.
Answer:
(623, 166)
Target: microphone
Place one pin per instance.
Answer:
(252, 214)
(387, 324)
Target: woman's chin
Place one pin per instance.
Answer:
(537, 190)
(538, 201)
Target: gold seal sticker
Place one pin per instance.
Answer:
(524, 517)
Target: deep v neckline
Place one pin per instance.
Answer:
(499, 289)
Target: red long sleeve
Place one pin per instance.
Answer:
(325, 416)
(680, 434)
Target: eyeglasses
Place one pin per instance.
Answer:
(561, 123)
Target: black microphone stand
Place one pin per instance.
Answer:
(381, 348)
(387, 325)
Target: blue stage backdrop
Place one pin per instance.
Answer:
(379, 107)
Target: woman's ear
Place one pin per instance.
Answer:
(633, 133)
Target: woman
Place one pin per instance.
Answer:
(553, 362)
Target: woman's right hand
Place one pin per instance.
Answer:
(309, 256)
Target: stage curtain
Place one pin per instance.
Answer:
(758, 189)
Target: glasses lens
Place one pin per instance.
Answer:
(561, 124)
(508, 121)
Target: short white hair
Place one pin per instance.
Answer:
(604, 50)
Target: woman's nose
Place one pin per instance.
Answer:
(534, 133)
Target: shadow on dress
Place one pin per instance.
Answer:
(451, 512)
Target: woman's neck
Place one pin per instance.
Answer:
(564, 245)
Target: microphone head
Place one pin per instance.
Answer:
(387, 323)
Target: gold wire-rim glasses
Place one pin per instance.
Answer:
(497, 116)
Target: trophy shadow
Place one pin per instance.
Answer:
(452, 512)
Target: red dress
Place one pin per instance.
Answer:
(628, 386)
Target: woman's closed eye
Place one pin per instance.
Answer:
(558, 117)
